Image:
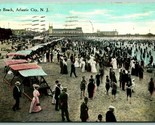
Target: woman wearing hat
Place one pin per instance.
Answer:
(91, 87)
(35, 104)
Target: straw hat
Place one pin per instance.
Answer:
(17, 83)
(64, 89)
(36, 86)
(111, 107)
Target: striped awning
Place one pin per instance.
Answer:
(24, 66)
(15, 61)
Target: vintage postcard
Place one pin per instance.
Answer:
(77, 61)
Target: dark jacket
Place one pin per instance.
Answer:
(72, 67)
(63, 99)
(110, 117)
(98, 77)
(83, 85)
(16, 93)
(57, 92)
(151, 86)
(84, 111)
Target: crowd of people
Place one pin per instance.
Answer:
(128, 57)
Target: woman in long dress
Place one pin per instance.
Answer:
(44, 57)
(35, 103)
(91, 87)
(132, 67)
(65, 69)
(83, 65)
(93, 66)
(77, 64)
(88, 66)
(114, 63)
(81, 59)
(53, 91)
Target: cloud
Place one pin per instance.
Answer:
(136, 15)
(25, 18)
(88, 13)
(12, 25)
(58, 15)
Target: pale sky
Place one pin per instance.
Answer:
(125, 17)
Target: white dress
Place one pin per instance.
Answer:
(77, 64)
(35, 107)
(44, 57)
(53, 90)
(81, 59)
(132, 64)
(93, 67)
(83, 66)
(114, 63)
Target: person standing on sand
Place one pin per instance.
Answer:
(113, 77)
(61, 65)
(63, 104)
(65, 69)
(107, 84)
(98, 80)
(84, 110)
(73, 69)
(151, 88)
(141, 70)
(35, 103)
(114, 90)
(83, 64)
(101, 71)
(110, 73)
(83, 86)
(91, 87)
(124, 79)
(129, 90)
(16, 96)
(110, 117)
(120, 77)
(57, 94)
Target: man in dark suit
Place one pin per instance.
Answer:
(124, 79)
(110, 117)
(98, 80)
(73, 69)
(57, 94)
(63, 100)
(16, 96)
(84, 110)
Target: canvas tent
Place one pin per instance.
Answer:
(28, 74)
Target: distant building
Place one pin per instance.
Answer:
(107, 33)
(19, 31)
(65, 32)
